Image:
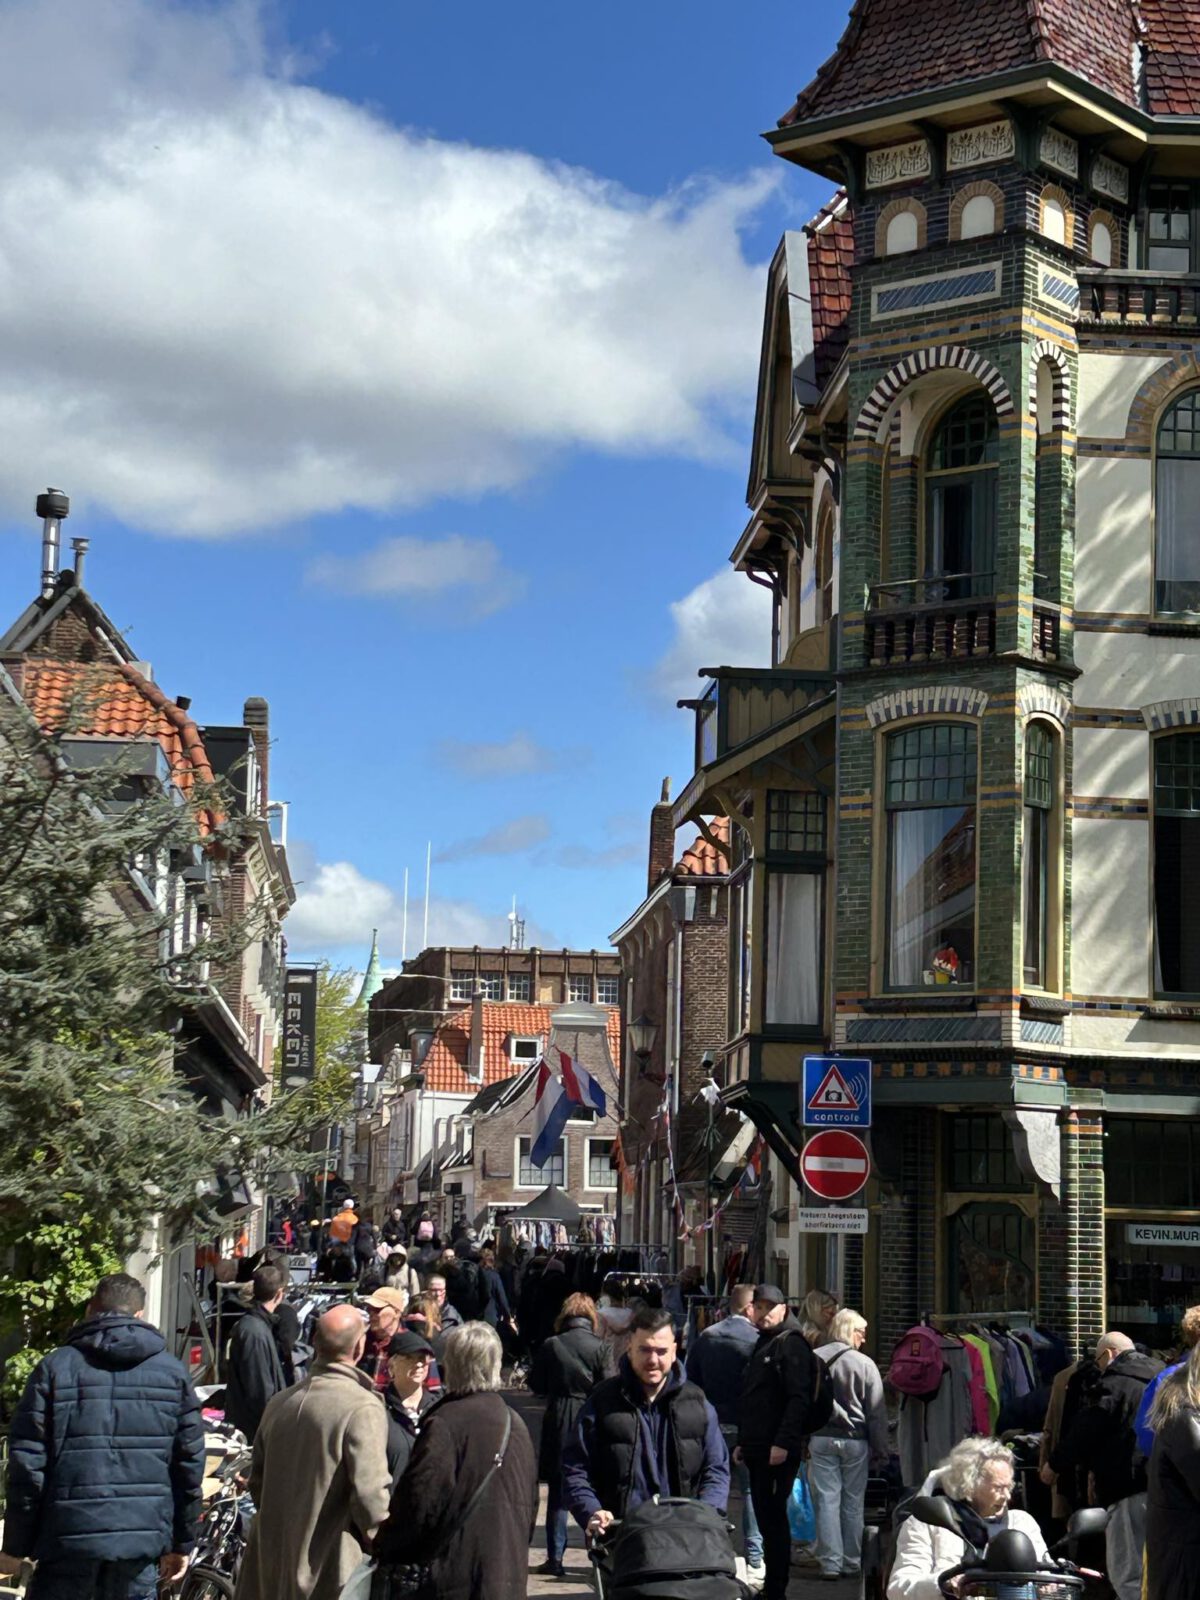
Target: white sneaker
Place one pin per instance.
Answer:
(755, 1576)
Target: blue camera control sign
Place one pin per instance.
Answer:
(837, 1092)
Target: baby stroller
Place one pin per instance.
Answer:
(667, 1550)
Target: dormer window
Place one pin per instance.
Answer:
(523, 1052)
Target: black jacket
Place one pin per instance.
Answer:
(565, 1370)
(777, 1391)
(255, 1371)
(1101, 1440)
(1173, 1510)
(403, 1428)
(106, 1452)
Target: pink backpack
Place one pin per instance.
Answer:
(917, 1364)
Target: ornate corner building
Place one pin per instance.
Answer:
(965, 797)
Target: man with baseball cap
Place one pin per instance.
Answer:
(385, 1308)
(776, 1416)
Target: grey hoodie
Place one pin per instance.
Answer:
(859, 1409)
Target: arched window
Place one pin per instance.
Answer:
(1177, 508)
(929, 800)
(902, 233)
(978, 217)
(1054, 220)
(1038, 857)
(960, 501)
(1176, 864)
(825, 566)
(1100, 246)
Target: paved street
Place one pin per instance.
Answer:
(578, 1584)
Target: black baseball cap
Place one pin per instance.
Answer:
(768, 1294)
(409, 1344)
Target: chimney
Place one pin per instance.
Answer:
(662, 838)
(80, 547)
(52, 507)
(256, 715)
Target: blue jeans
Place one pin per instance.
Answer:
(557, 1523)
(739, 1483)
(837, 1477)
(94, 1580)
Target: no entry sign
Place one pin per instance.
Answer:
(835, 1164)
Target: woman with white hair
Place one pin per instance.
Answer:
(977, 1479)
(840, 1454)
(465, 1507)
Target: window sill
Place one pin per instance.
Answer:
(1175, 627)
(1178, 1010)
(1044, 1005)
(921, 1000)
(792, 1030)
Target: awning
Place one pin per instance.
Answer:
(552, 1205)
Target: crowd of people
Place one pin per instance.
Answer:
(394, 1445)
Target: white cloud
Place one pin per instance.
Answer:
(339, 905)
(724, 622)
(504, 758)
(230, 300)
(506, 839)
(418, 569)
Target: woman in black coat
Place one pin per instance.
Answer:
(474, 1551)
(565, 1370)
(1173, 1496)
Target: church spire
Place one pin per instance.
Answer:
(373, 976)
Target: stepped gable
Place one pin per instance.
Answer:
(830, 258)
(895, 48)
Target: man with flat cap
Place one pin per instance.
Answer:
(779, 1409)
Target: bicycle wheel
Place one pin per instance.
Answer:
(203, 1583)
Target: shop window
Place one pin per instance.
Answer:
(1037, 853)
(1176, 503)
(981, 1154)
(1176, 864)
(1171, 228)
(992, 1255)
(929, 796)
(795, 823)
(793, 948)
(960, 506)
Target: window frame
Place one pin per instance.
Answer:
(521, 980)
(780, 861)
(522, 1164)
(574, 978)
(1051, 896)
(599, 1188)
(1158, 810)
(1192, 212)
(616, 991)
(459, 977)
(1179, 399)
(983, 480)
(882, 896)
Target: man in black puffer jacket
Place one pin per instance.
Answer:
(106, 1456)
(645, 1432)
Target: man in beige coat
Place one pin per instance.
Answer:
(320, 1477)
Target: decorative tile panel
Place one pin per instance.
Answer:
(948, 289)
(899, 163)
(1111, 178)
(941, 699)
(1059, 291)
(1059, 151)
(975, 147)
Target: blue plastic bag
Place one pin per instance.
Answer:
(801, 1520)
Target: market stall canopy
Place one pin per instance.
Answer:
(552, 1205)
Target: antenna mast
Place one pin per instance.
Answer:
(404, 929)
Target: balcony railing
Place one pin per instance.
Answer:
(1159, 299)
(941, 618)
(743, 703)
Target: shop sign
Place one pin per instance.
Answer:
(299, 1026)
(1185, 1234)
(813, 1219)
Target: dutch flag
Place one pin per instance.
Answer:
(551, 1109)
(581, 1088)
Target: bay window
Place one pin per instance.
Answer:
(795, 908)
(929, 798)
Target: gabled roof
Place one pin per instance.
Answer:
(39, 618)
(1172, 56)
(830, 257)
(444, 1068)
(116, 702)
(894, 48)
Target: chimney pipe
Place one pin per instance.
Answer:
(52, 507)
(80, 547)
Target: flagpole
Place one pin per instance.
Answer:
(428, 865)
(404, 934)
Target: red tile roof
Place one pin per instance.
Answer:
(1172, 56)
(830, 257)
(893, 48)
(445, 1066)
(116, 702)
(700, 859)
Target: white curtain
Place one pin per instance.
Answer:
(1177, 536)
(794, 948)
(932, 898)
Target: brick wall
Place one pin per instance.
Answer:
(495, 1161)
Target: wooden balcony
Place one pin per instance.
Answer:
(743, 703)
(943, 618)
(1138, 299)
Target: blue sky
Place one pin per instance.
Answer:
(399, 360)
